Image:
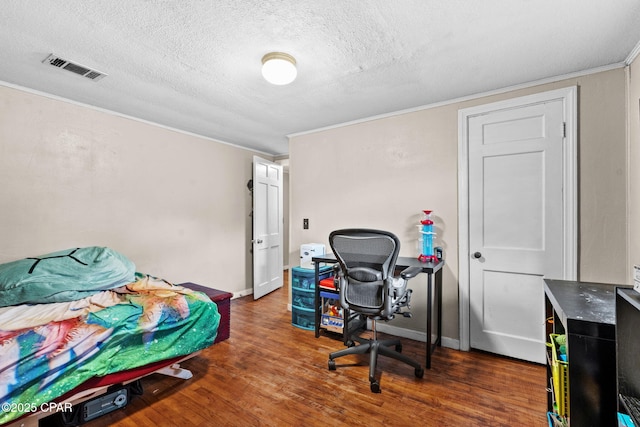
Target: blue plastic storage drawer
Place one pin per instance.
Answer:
(303, 318)
(304, 278)
(302, 298)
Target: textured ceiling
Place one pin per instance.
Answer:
(195, 65)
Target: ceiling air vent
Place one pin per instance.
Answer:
(73, 67)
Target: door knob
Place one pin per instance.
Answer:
(477, 255)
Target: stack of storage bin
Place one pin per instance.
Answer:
(303, 314)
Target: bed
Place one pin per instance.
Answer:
(74, 322)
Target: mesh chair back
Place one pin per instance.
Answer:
(367, 259)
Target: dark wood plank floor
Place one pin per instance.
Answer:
(269, 373)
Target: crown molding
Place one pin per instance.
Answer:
(633, 54)
(470, 97)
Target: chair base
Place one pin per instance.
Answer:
(375, 347)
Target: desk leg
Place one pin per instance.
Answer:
(438, 290)
(316, 298)
(429, 316)
(434, 287)
(346, 314)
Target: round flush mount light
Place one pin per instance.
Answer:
(279, 68)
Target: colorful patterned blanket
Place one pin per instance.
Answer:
(47, 350)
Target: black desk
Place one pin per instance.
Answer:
(433, 271)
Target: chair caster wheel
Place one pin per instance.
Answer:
(419, 372)
(350, 343)
(375, 387)
(332, 365)
(399, 348)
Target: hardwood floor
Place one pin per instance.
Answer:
(270, 373)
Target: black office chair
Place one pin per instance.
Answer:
(367, 260)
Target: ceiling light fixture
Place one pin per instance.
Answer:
(279, 68)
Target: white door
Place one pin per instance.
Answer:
(516, 219)
(268, 220)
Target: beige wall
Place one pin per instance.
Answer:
(176, 204)
(382, 173)
(634, 162)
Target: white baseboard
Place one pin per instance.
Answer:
(416, 335)
(242, 293)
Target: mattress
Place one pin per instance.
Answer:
(50, 349)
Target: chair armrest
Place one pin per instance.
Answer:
(337, 276)
(410, 272)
